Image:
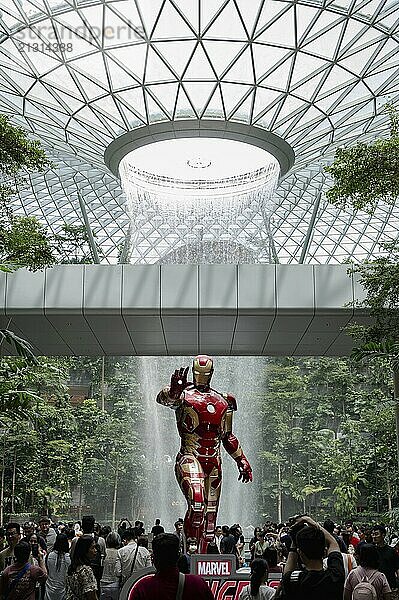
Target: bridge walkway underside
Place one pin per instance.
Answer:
(276, 310)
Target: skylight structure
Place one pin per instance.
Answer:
(78, 74)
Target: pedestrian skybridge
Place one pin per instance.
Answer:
(183, 309)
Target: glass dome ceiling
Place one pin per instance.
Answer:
(79, 73)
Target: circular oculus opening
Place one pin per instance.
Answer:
(190, 130)
(198, 158)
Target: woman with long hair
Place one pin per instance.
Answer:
(58, 562)
(369, 573)
(81, 583)
(109, 579)
(33, 540)
(270, 555)
(253, 541)
(258, 590)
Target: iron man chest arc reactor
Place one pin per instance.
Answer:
(202, 410)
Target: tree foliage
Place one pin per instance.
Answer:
(72, 245)
(380, 279)
(59, 448)
(22, 347)
(19, 156)
(24, 242)
(367, 173)
(329, 426)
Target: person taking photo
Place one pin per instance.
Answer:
(312, 582)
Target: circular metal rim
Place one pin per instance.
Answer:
(190, 128)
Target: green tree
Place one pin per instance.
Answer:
(365, 174)
(111, 475)
(72, 245)
(36, 420)
(380, 279)
(380, 340)
(326, 427)
(282, 457)
(24, 242)
(19, 156)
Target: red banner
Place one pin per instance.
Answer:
(217, 570)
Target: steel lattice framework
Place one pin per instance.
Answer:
(79, 73)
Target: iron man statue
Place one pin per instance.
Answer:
(204, 420)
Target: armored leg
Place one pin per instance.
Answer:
(190, 476)
(213, 487)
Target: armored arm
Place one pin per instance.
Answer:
(232, 445)
(171, 395)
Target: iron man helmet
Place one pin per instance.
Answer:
(202, 370)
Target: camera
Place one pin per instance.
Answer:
(295, 527)
(35, 550)
(294, 518)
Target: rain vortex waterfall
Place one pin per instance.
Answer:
(199, 221)
(164, 499)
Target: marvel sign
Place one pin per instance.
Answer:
(219, 572)
(212, 567)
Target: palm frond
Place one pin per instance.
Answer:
(22, 347)
(373, 350)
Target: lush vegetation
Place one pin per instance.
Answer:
(45, 441)
(367, 173)
(24, 241)
(60, 458)
(19, 156)
(364, 176)
(324, 439)
(327, 438)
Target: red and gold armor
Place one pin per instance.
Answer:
(204, 421)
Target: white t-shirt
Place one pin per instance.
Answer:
(265, 593)
(125, 558)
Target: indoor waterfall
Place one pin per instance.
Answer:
(211, 209)
(199, 201)
(240, 376)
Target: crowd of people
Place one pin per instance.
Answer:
(87, 561)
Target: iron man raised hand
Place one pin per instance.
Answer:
(204, 421)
